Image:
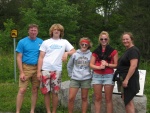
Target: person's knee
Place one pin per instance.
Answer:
(71, 99)
(98, 98)
(34, 89)
(130, 105)
(84, 98)
(22, 91)
(108, 100)
(55, 95)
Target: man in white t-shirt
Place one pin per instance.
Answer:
(52, 52)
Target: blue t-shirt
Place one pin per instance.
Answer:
(29, 49)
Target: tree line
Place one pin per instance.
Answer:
(80, 18)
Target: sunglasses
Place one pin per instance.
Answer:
(101, 39)
(86, 45)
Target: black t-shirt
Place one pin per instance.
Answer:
(131, 53)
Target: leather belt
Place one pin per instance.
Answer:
(30, 64)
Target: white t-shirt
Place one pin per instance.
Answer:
(54, 50)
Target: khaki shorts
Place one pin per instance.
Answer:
(51, 82)
(30, 72)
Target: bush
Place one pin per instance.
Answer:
(7, 67)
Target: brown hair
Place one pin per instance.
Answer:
(128, 33)
(33, 25)
(57, 26)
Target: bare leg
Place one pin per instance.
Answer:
(34, 98)
(55, 102)
(20, 97)
(72, 95)
(108, 98)
(130, 107)
(84, 99)
(47, 102)
(98, 97)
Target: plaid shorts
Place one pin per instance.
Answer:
(51, 81)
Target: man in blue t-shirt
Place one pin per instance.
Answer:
(27, 59)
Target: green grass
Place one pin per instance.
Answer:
(9, 88)
(147, 91)
(8, 92)
(145, 66)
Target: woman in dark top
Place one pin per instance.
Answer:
(127, 74)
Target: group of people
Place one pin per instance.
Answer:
(41, 63)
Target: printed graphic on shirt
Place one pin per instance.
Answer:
(82, 62)
(55, 46)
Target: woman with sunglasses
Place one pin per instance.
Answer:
(104, 59)
(80, 74)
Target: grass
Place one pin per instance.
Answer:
(9, 89)
(8, 99)
(8, 92)
(147, 91)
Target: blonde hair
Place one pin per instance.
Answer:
(104, 33)
(86, 38)
(58, 27)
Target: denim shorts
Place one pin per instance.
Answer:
(80, 83)
(104, 79)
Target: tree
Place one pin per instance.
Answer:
(136, 16)
(28, 16)
(6, 42)
(10, 10)
(52, 11)
(90, 22)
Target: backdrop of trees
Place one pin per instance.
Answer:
(79, 18)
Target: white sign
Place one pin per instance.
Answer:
(142, 76)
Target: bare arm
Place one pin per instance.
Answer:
(114, 64)
(19, 62)
(133, 65)
(71, 51)
(92, 64)
(40, 63)
(65, 56)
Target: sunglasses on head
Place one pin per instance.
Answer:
(84, 45)
(103, 39)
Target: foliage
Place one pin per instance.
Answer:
(6, 42)
(145, 66)
(135, 19)
(49, 13)
(28, 16)
(89, 21)
(7, 67)
(80, 18)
